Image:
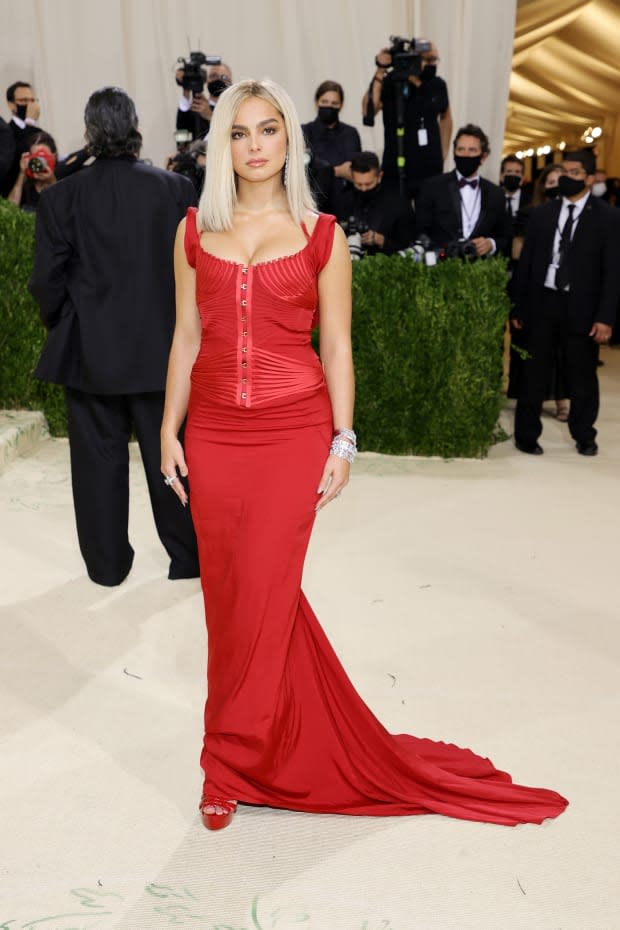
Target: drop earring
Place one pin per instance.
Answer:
(285, 179)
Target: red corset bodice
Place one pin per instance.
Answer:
(257, 320)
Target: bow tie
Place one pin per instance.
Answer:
(463, 182)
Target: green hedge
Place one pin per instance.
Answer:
(427, 344)
(21, 333)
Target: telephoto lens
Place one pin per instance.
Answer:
(354, 240)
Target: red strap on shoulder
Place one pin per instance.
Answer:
(323, 242)
(191, 240)
(323, 237)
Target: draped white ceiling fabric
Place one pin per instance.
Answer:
(565, 76)
(68, 48)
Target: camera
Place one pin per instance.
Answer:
(461, 248)
(41, 160)
(187, 164)
(183, 139)
(355, 228)
(407, 57)
(421, 251)
(194, 73)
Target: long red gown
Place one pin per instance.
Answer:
(284, 726)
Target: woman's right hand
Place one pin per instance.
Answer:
(23, 162)
(173, 464)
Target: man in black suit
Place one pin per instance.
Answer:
(511, 180)
(568, 291)
(383, 217)
(25, 111)
(462, 205)
(103, 278)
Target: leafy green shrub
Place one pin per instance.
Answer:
(427, 344)
(21, 332)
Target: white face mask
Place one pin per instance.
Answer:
(599, 188)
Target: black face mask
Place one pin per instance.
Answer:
(511, 183)
(367, 197)
(467, 164)
(216, 87)
(569, 187)
(552, 192)
(22, 109)
(428, 72)
(328, 115)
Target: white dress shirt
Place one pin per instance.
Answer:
(22, 123)
(185, 105)
(471, 203)
(515, 200)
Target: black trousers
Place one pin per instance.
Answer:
(100, 428)
(549, 330)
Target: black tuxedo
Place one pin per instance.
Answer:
(103, 277)
(565, 318)
(438, 212)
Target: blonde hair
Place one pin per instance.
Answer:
(219, 195)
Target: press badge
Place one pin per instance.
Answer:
(422, 137)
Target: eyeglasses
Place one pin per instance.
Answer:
(430, 59)
(22, 100)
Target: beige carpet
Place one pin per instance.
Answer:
(471, 601)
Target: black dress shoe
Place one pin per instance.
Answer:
(536, 449)
(587, 448)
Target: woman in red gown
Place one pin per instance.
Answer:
(268, 442)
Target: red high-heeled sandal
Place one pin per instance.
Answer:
(216, 821)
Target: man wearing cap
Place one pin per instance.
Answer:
(568, 290)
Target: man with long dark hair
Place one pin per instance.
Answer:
(103, 278)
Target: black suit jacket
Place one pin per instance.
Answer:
(519, 218)
(438, 212)
(7, 150)
(103, 275)
(594, 264)
(387, 213)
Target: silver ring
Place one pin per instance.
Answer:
(170, 479)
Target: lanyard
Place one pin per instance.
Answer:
(474, 212)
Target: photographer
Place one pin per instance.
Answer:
(406, 76)
(25, 110)
(383, 219)
(191, 163)
(195, 108)
(37, 169)
(461, 212)
(327, 137)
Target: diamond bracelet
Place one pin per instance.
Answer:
(343, 445)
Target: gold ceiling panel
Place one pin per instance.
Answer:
(565, 75)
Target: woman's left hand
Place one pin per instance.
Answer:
(335, 477)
